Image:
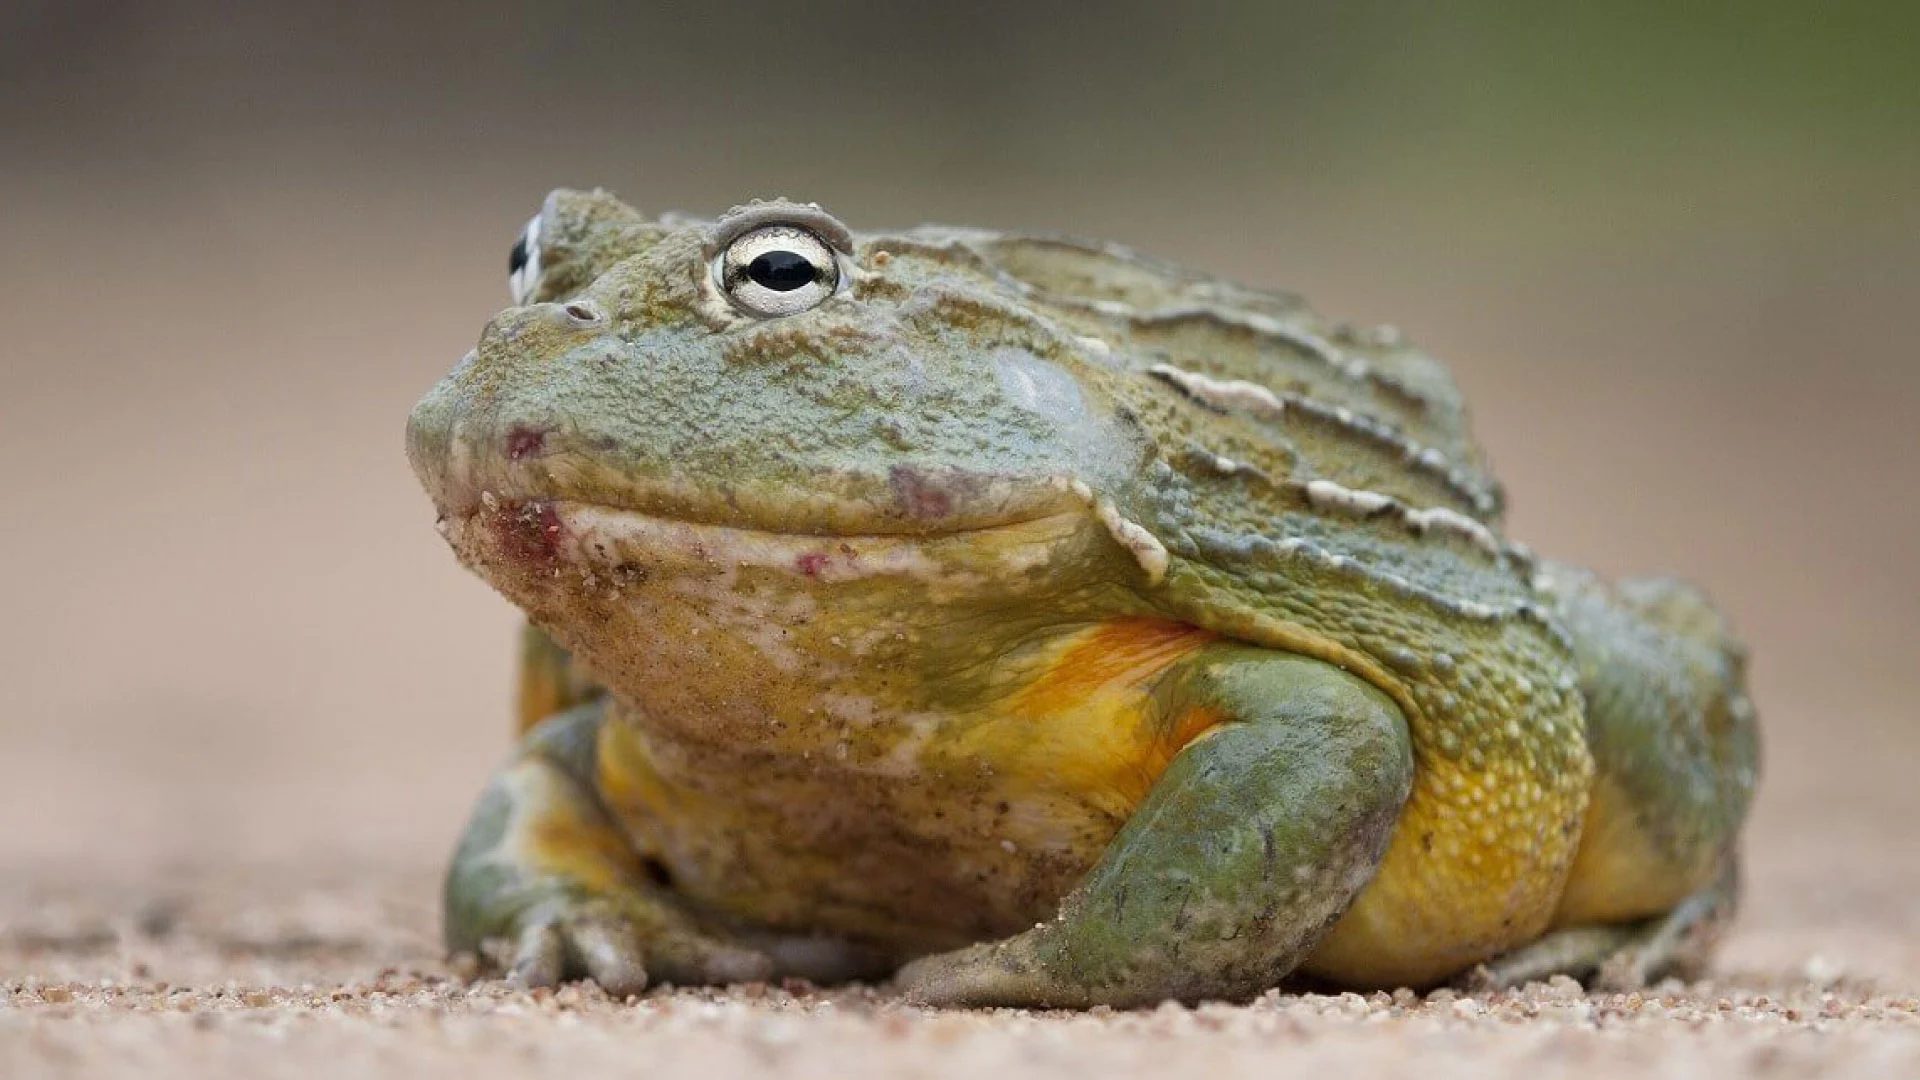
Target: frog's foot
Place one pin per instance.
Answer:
(546, 886)
(1621, 957)
(990, 973)
(623, 943)
(1250, 845)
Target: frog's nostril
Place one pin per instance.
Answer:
(582, 312)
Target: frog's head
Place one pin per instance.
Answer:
(768, 372)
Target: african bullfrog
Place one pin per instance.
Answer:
(1036, 623)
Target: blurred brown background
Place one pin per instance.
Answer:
(1674, 259)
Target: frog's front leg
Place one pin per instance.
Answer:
(545, 873)
(1251, 844)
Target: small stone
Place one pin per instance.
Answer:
(1564, 988)
(1820, 970)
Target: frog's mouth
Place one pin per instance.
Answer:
(544, 500)
(911, 506)
(541, 541)
(471, 473)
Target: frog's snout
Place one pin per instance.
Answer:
(430, 436)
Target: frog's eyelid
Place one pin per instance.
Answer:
(755, 216)
(523, 266)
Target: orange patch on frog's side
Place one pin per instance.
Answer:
(1107, 738)
(1121, 652)
(1162, 746)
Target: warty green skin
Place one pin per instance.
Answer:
(1193, 451)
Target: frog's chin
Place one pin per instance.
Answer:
(543, 544)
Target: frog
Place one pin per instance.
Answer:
(1019, 620)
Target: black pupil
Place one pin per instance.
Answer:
(518, 260)
(781, 271)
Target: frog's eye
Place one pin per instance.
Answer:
(778, 270)
(523, 265)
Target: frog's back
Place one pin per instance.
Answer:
(1318, 490)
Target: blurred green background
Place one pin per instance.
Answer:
(1672, 251)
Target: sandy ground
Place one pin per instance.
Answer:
(334, 970)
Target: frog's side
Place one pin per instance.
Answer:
(1081, 629)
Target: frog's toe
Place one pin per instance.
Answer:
(949, 979)
(599, 944)
(1572, 951)
(539, 958)
(595, 947)
(981, 975)
(1680, 944)
(691, 958)
(608, 951)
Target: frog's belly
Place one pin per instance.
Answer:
(930, 829)
(913, 863)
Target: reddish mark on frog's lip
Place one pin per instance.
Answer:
(525, 442)
(811, 563)
(529, 531)
(921, 496)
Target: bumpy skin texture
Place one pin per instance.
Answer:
(1079, 629)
